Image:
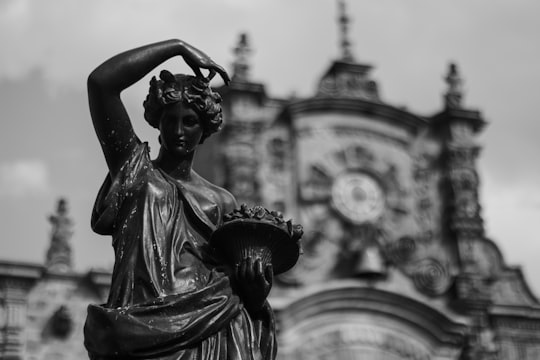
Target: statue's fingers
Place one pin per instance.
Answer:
(225, 77)
(269, 274)
(237, 273)
(242, 270)
(211, 75)
(222, 72)
(190, 63)
(248, 269)
(197, 72)
(250, 274)
(195, 67)
(259, 269)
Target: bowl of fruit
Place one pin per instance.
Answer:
(258, 233)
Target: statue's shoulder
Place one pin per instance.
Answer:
(226, 200)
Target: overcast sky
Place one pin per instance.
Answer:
(48, 147)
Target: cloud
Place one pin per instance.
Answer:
(23, 177)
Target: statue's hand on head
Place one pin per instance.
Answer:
(197, 60)
(254, 281)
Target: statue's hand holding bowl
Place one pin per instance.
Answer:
(254, 281)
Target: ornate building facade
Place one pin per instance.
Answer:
(395, 264)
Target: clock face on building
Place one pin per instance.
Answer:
(358, 197)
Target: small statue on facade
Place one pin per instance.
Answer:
(455, 88)
(59, 252)
(173, 295)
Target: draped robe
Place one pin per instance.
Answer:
(170, 296)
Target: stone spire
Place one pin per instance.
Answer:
(59, 252)
(347, 78)
(241, 65)
(346, 53)
(454, 94)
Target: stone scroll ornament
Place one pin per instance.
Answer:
(401, 251)
(431, 276)
(258, 233)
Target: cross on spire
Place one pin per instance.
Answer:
(346, 53)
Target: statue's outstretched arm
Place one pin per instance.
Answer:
(109, 116)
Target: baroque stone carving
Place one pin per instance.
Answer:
(277, 149)
(321, 247)
(401, 251)
(359, 252)
(61, 322)
(463, 208)
(431, 276)
(423, 175)
(349, 85)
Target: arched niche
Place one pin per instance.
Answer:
(350, 322)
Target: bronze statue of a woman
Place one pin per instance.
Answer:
(171, 296)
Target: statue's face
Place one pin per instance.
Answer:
(180, 129)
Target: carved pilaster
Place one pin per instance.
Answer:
(463, 216)
(241, 160)
(245, 113)
(13, 307)
(458, 127)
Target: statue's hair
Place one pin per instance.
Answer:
(194, 92)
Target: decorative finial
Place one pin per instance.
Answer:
(346, 53)
(241, 64)
(454, 94)
(59, 252)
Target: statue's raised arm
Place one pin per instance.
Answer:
(107, 81)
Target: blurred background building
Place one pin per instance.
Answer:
(395, 264)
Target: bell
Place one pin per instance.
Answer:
(370, 264)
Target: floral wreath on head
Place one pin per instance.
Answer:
(192, 91)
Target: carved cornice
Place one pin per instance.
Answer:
(473, 117)
(519, 327)
(17, 278)
(383, 112)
